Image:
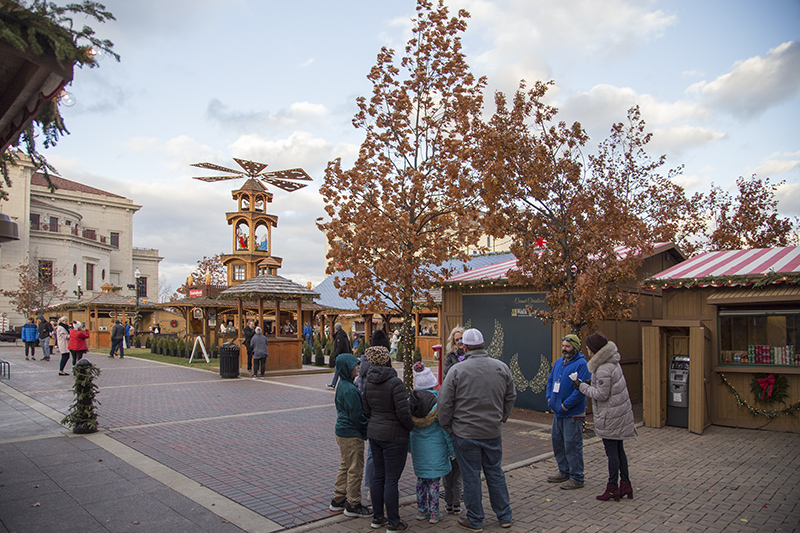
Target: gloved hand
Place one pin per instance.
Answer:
(576, 384)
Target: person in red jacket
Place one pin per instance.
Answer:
(77, 341)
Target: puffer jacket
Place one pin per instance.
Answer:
(613, 413)
(386, 405)
(29, 332)
(431, 447)
(62, 338)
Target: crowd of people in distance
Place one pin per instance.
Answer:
(68, 338)
(453, 431)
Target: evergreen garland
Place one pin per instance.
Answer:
(47, 28)
(743, 404)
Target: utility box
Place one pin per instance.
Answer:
(678, 394)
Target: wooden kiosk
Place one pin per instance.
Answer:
(736, 316)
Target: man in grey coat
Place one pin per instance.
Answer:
(476, 397)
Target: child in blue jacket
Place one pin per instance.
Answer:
(430, 446)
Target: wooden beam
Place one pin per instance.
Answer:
(697, 380)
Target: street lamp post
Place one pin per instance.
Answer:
(78, 292)
(136, 275)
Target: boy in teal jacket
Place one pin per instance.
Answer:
(351, 432)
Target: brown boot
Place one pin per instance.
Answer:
(612, 491)
(625, 489)
(558, 478)
(571, 485)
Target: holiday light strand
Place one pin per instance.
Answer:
(743, 404)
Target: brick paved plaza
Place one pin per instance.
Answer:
(181, 449)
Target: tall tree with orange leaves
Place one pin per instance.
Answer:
(407, 204)
(750, 220)
(580, 228)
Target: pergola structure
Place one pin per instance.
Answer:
(285, 352)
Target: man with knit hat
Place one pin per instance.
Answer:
(569, 410)
(476, 397)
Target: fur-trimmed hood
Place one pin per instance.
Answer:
(426, 421)
(607, 354)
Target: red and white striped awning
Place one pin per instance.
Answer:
(732, 263)
(500, 270)
(495, 271)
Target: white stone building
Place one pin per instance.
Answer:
(75, 235)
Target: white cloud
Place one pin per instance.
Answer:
(307, 63)
(788, 196)
(775, 167)
(756, 84)
(675, 139)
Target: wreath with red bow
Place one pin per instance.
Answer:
(769, 388)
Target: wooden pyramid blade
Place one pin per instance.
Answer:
(289, 186)
(251, 167)
(212, 166)
(289, 174)
(218, 178)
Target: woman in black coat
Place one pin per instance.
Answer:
(386, 405)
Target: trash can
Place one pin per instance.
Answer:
(229, 360)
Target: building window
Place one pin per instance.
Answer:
(141, 287)
(89, 285)
(238, 272)
(45, 271)
(53, 224)
(34, 221)
(759, 337)
(115, 239)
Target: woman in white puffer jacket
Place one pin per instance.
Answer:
(612, 410)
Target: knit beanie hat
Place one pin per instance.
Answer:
(596, 341)
(574, 340)
(423, 377)
(378, 356)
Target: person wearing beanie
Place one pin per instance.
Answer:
(569, 411)
(475, 399)
(613, 413)
(430, 446)
(386, 405)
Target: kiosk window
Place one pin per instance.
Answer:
(759, 337)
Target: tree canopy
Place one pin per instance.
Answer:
(580, 229)
(406, 205)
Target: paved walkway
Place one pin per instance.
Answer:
(183, 450)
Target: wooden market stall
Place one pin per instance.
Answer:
(285, 352)
(506, 315)
(736, 316)
(101, 310)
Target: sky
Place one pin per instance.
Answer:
(718, 84)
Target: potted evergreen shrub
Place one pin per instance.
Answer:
(306, 354)
(417, 354)
(147, 343)
(319, 357)
(329, 350)
(82, 415)
(212, 352)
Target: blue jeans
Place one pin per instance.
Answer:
(369, 469)
(389, 460)
(45, 344)
(617, 461)
(567, 435)
(487, 454)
